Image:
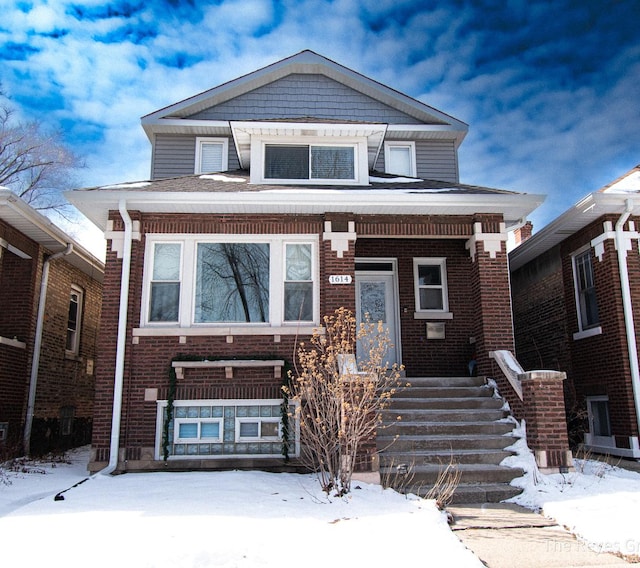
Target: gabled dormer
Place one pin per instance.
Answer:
(304, 120)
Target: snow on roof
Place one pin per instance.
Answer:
(630, 183)
(223, 178)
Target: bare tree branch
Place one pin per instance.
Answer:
(35, 164)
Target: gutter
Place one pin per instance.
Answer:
(121, 341)
(37, 347)
(627, 307)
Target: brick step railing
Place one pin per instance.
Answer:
(441, 421)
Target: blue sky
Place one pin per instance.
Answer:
(550, 89)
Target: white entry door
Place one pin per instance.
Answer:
(376, 295)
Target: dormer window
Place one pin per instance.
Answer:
(309, 162)
(211, 155)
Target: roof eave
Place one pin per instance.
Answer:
(96, 204)
(584, 212)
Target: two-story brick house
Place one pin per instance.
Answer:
(274, 199)
(50, 298)
(576, 302)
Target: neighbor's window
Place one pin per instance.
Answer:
(298, 282)
(232, 282)
(211, 155)
(598, 411)
(67, 414)
(164, 302)
(74, 320)
(586, 302)
(430, 280)
(289, 162)
(400, 158)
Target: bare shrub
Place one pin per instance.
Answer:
(446, 484)
(340, 403)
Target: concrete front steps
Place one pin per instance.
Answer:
(441, 421)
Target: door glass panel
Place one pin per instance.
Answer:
(373, 301)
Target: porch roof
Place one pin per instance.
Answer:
(231, 192)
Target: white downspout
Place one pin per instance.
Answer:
(121, 341)
(37, 346)
(627, 307)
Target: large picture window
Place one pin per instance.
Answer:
(232, 282)
(586, 301)
(291, 162)
(230, 279)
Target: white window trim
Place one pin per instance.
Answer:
(76, 339)
(402, 144)
(277, 247)
(260, 437)
(360, 156)
(149, 255)
(199, 422)
(592, 439)
(592, 331)
(4, 431)
(444, 313)
(225, 152)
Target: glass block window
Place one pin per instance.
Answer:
(223, 428)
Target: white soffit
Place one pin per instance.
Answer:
(244, 131)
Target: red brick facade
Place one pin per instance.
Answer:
(477, 292)
(65, 382)
(546, 320)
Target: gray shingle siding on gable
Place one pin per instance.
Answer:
(435, 159)
(176, 156)
(301, 95)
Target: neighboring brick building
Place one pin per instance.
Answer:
(47, 405)
(337, 191)
(576, 303)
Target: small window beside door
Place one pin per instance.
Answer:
(430, 284)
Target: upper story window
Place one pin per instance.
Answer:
(222, 279)
(430, 285)
(585, 291)
(74, 320)
(212, 155)
(400, 158)
(309, 162)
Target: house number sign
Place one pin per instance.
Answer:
(340, 279)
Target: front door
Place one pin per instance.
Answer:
(376, 295)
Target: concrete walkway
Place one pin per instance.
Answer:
(504, 535)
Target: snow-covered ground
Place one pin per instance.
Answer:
(265, 519)
(597, 502)
(215, 519)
